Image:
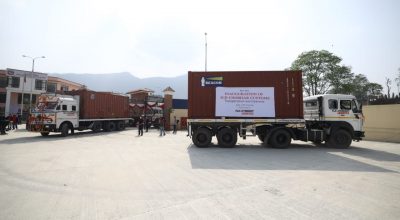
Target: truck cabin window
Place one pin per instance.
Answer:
(333, 104)
(73, 108)
(354, 106)
(42, 106)
(311, 104)
(64, 107)
(345, 104)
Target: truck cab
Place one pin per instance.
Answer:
(334, 112)
(54, 114)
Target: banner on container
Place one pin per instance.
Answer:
(245, 102)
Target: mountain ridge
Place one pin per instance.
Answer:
(123, 82)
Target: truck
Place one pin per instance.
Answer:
(79, 110)
(269, 105)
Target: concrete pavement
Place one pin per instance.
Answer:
(119, 175)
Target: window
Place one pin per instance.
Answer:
(354, 106)
(345, 104)
(3, 97)
(64, 88)
(39, 84)
(64, 107)
(73, 108)
(27, 97)
(51, 87)
(332, 103)
(58, 107)
(311, 103)
(15, 82)
(3, 82)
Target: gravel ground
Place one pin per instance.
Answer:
(119, 175)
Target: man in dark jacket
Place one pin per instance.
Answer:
(140, 127)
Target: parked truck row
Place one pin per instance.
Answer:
(269, 105)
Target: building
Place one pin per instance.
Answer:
(19, 90)
(59, 85)
(180, 111)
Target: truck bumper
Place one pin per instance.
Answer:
(41, 127)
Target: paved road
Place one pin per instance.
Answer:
(122, 176)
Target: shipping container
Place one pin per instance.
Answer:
(287, 90)
(100, 105)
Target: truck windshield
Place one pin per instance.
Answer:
(46, 106)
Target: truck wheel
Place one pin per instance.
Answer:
(280, 139)
(227, 137)
(120, 125)
(340, 139)
(110, 126)
(261, 137)
(64, 129)
(96, 126)
(202, 137)
(45, 134)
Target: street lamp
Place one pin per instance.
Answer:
(33, 60)
(23, 85)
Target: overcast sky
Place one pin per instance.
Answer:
(166, 38)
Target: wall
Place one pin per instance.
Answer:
(179, 113)
(382, 122)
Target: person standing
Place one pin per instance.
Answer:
(9, 119)
(14, 122)
(147, 124)
(174, 125)
(140, 127)
(162, 126)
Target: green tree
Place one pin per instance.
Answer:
(322, 72)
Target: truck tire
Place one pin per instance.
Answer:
(202, 137)
(261, 137)
(280, 139)
(340, 139)
(96, 126)
(120, 125)
(64, 130)
(110, 126)
(227, 137)
(45, 134)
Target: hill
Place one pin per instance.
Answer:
(124, 82)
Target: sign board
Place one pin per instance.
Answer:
(27, 74)
(213, 81)
(245, 102)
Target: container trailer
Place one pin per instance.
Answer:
(269, 105)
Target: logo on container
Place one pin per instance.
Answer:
(212, 81)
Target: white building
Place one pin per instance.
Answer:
(23, 87)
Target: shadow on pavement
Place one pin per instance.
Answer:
(297, 157)
(52, 137)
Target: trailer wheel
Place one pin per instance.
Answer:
(110, 126)
(261, 137)
(96, 126)
(280, 139)
(340, 139)
(64, 130)
(45, 134)
(120, 125)
(227, 137)
(202, 137)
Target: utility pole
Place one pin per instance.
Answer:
(205, 34)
